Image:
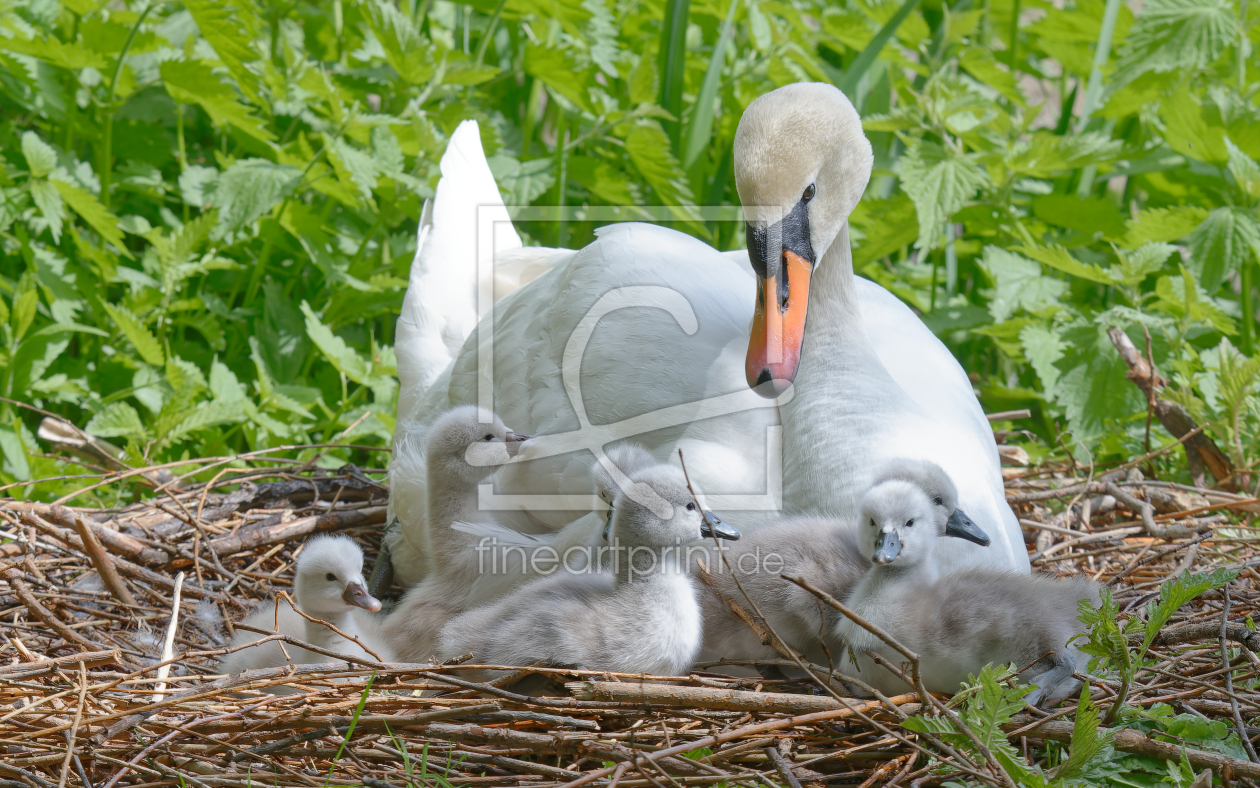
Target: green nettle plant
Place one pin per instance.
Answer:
(208, 207)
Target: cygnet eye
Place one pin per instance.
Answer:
(909, 523)
(938, 502)
(330, 577)
(809, 193)
(872, 522)
(488, 437)
(691, 507)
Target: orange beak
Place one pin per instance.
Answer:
(778, 330)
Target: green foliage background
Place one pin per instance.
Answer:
(208, 208)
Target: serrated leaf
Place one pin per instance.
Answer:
(24, 310)
(116, 420)
(1019, 284)
(136, 333)
(1058, 257)
(559, 70)
(939, 183)
(887, 224)
(1172, 35)
(1043, 347)
(342, 356)
(50, 204)
(250, 188)
(54, 52)
(1163, 224)
(1189, 129)
(1084, 214)
(1220, 245)
(41, 159)
(1046, 153)
(1142, 262)
(192, 82)
(1244, 169)
(981, 64)
(225, 26)
(649, 151)
(354, 166)
(196, 184)
(97, 216)
(1177, 593)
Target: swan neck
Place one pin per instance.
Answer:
(833, 302)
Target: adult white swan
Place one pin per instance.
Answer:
(645, 334)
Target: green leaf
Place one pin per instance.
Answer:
(136, 333)
(1088, 743)
(1142, 262)
(1043, 347)
(97, 216)
(940, 183)
(1058, 257)
(700, 126)
(54, 52)
(284, 344)
(1163, 224)
(1084, 214)
(343, 357)
(1175, 35)
(559, 70)
(50, 205)
(1244, 169)
(1190, 130)
(116, 420)
(250, 188)
(887, 224)
(14, 454)
(649, 150)
(853, 75)
(1177, 593)
(1221, 244)
(225, 26)
(24, 312)
(523, 181)
(1020, 284)
(41, 159)
(981, 64)
(192, 82)
(1045, 153)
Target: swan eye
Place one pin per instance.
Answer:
(938, 502)
(691, 507)
(873, 522)
(809, 193)
(489, 437)
(909, 523)
(330, 577)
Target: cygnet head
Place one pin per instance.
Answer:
(659, 511)
(911, 504)
(801, 165)
(330, 578)
(470, 444)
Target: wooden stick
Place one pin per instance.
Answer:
(701, 697)
(1009, 415)
(99, 558)
(168, 646)
(258, 536)
(74, 727)
(23, 591)
(91, 659)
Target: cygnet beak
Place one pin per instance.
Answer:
(961, 526)
(714, 526)
(357, 594)
(513, 442)
(887, 546)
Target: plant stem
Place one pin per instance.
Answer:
(107, 164)
(1014, 42)
(951, 261)
(489, 34)
(1248, 308)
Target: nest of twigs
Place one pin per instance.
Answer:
(97, 688)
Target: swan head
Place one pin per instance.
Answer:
(802, 163)
(910, 506)
(936, 484)
(330, 578)
(470, 443)
(673, 518)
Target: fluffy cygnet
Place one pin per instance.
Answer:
(639, 616)
(328, 586)
(956, 621)
(465, 447)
